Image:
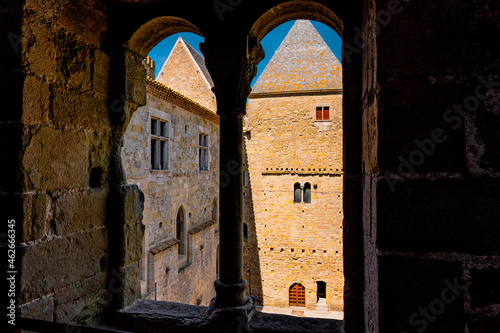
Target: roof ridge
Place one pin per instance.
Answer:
(302, 62)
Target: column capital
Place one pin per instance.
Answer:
(232, 67)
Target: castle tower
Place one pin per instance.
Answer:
(185, 72)
(293, 198)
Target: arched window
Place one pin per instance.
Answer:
(180, 234)
(297, 295)
(245, 231)
(297, 193)
(307, 193)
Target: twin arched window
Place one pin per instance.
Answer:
(299, 193)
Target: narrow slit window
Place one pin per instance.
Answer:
(307, 193)
(297, 193)
(203, 152)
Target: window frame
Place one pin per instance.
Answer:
(159, 141)
(203, 152)
(322, 106)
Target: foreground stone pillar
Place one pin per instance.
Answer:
(232, 69)
(231, 286)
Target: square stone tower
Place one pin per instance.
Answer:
(293, 176)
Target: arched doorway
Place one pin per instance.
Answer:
(297, 295)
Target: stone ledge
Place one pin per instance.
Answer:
(202, 226)
(164, 245)
(155, 316)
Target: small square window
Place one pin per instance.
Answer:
(322, 113)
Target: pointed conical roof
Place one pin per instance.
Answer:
(303, 62)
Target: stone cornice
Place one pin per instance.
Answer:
(296, 93)
(159, 90)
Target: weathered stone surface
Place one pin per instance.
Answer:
(79, 210)
(59, 262)
(36, 99)
(87, 19)
(415, 133)
(82, 302)
(36, 208)
(133, 199)
(420, 294)
(81, 108)
(131, 289)
(484, 290)
(444, 215)
(40, 308)
(100, 77)
(133, 242)
(55, 159)
(442, 49)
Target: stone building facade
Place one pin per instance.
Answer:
(171, 153)
(294, 179)
(72, 77)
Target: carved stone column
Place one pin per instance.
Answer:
(232, 66)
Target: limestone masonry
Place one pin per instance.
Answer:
(161, 155)
(294, 147)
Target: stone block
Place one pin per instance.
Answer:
(130, 282)
(40, 308)
(484, 289)
(79, 108)
(414, 135)
(444, 43)
(11, 144)
(55, 159)
(418, 294)
(133, 242)
(80, 210)
(37, 96)
(82, 302)
(133, 200)
(36, 208)
(85, 19)
(58, 262)
(483, 324)
(101, 75)
(444, 215)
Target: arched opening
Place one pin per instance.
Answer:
(297, 193)
(245, 231)
(295, 111)
(307, 193)
(297, 295)
(178, 106)
(180, 232)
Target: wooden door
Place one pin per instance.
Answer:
(297, 295)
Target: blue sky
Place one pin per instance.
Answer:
(270, 43)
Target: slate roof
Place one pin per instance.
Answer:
(303, 62)
(200, 61)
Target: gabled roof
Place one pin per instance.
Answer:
(303, 62)
(198, 60)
